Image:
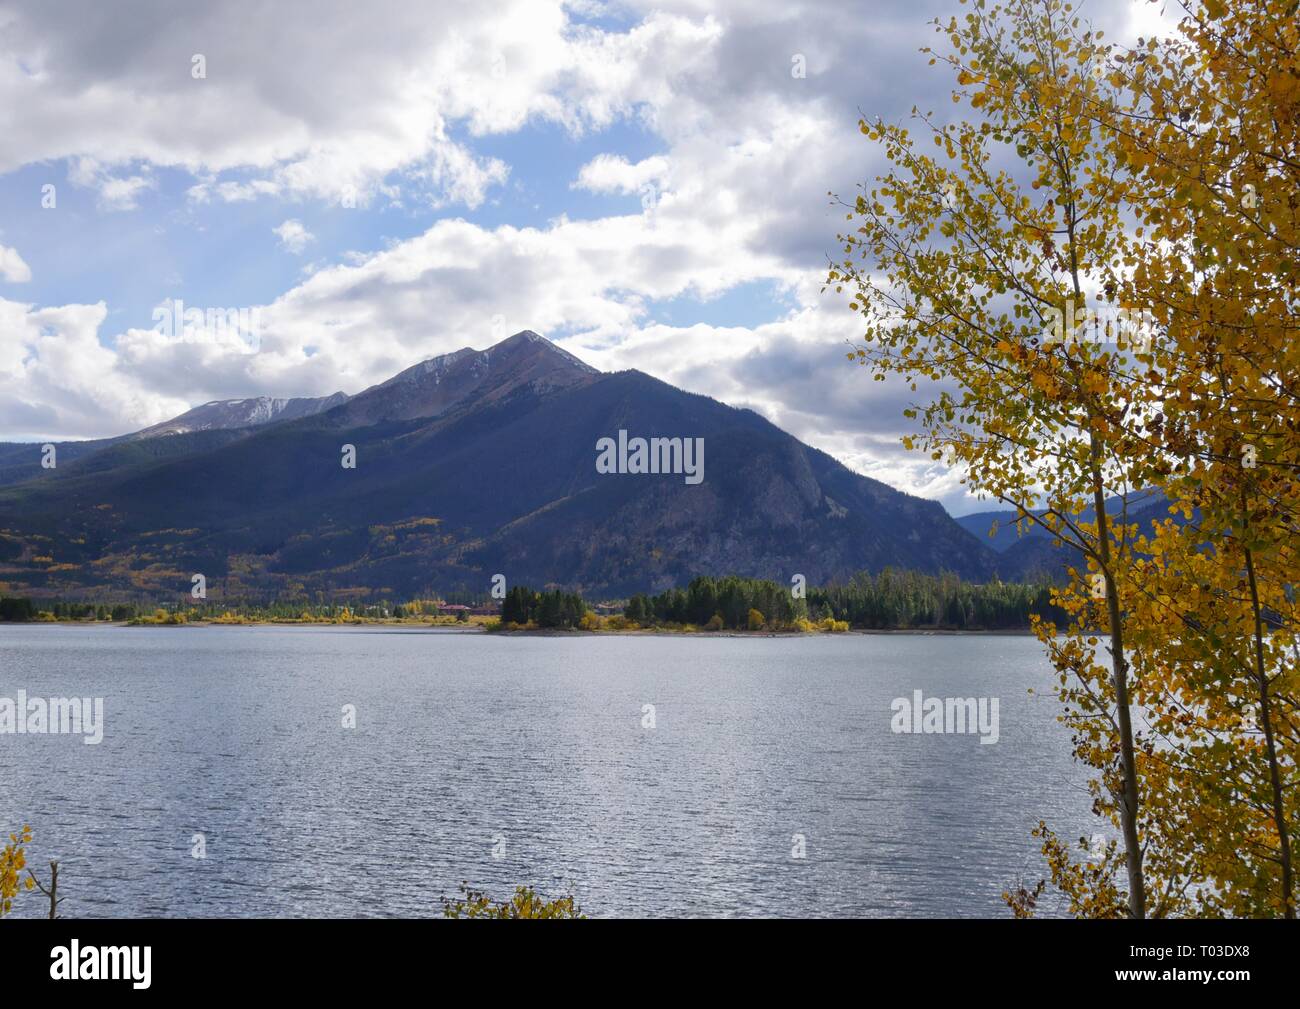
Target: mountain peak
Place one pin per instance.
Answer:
(526, 360)
(427, 389)
(524, 336)
(526, 340)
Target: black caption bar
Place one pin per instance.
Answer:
(136, 957)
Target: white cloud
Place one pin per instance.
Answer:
(115, 192)
(293, 236)
(612, 173)
(1149, 19)
(58, 380)
(12, 267)
(454, 173)
(123, 194)
(358, 93)
(391, 103)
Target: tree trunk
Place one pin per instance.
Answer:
(1128, 807)
(1266, 723)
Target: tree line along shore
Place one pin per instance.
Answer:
(889, 600)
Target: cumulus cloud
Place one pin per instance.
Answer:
(394, 102)
(351, 95)
(612, 173)
(57, 378)
(116, 191)
(293, 236)
(12, 267)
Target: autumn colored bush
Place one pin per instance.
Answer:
(13, 862)
(525, 903)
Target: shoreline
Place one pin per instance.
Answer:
(537, 633)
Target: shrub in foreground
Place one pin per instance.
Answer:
(526, 903)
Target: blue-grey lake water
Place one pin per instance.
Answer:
(505, 760)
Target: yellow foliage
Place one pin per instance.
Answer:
(1157, 182)
(13, 860)
(524, 904)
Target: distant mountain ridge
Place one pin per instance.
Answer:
(1032, 552)
(228, 414)
(469, 464)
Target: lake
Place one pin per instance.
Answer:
(504, 760)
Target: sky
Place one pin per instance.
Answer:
(367, 185)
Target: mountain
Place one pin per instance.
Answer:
(228, 414)
(467, 377)
(982, 525)
(467, 465)
(21, 461)
(1033, 553)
